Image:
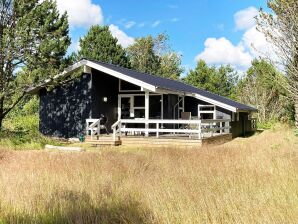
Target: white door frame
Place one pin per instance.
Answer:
(131, 111)
(132, 107)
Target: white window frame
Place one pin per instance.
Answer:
(132, 107)
(211, 111)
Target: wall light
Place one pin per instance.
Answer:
(105, 99)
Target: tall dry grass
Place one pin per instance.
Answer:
(253, 180)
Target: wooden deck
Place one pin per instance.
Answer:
(163, 141)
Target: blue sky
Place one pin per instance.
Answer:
(219, 32)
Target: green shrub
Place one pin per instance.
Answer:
(22, 123)
(267, 125)
(21, 128)
(22, 140)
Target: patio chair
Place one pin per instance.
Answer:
(185, 116)
(103, 122)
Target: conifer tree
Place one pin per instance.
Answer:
(33, 42)
(99, 44)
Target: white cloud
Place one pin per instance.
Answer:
(129, 24)
(81, 13)
(252, 44)
(123, 39)
(256, 42)
(245, 19)
(222, 51)
(156, 23)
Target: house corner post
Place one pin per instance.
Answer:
(146, 113)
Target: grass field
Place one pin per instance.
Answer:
(251, 180)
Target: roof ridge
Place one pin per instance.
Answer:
(156, 76)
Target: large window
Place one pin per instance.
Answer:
(139, 106)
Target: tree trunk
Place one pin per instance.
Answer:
(296, 111)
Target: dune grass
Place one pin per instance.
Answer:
(252, 180)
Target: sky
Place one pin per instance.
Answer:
(217, 31)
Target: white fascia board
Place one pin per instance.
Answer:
(120, 75)
(166, 91)
(200, 97)
(71, 68)
(214, 102)
(60, 75)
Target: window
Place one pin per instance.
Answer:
(128, 87)
(139, 106)
(206, 112)
(139, 113)
(139, 101)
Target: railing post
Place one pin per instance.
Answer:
(220, 126)
(146, 113)
(119, 128)
(114, 134)
(157, 130)
(200, 130)
(98, 130)
(228, 129)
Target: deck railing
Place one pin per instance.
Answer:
(92, 127)
(197, 128)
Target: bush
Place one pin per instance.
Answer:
(22, 140)
(28, 123)
(21, 128)
(267, 125)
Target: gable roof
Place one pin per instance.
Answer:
(156, 83)
(173, 85)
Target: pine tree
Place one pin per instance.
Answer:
(280, 26)
(220, 80)
(33, 37)
(99, 44)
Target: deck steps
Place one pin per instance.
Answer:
(104, 142)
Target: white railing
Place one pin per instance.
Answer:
(116, 127)
(92, 127)
(197, 127)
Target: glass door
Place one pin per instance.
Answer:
(126, 107)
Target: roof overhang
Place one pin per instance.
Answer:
(85, 62)
(215, 102)
(121, 76)
(142, 84)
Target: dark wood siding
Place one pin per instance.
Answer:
(64, 109)
(104, 85)
(191, 105)
(241, 127)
